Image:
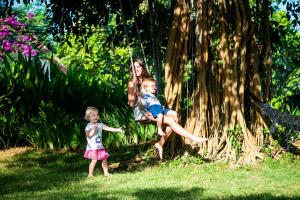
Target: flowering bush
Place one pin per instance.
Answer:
(13, 38)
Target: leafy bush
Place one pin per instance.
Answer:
(22, 88)
(43, 107)
(48, 113)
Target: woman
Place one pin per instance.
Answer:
(138, 73)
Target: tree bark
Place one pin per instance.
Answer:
(176, 55)
(266, 50)
(227, 67)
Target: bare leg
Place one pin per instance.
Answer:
(159, 124)
(173, 114)
(105, 168)
(181, 131)
(160, 144)
(92, 167)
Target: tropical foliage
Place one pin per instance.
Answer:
(214, 54)
(43, 107)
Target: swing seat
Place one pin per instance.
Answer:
(145, 121)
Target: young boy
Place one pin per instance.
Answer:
(152, 104)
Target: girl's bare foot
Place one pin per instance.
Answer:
(107, 174)
(159, 149)
(90, 176)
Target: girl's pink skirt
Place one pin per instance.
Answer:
(97, 154)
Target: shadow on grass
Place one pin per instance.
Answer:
(264, 196)
(169, 193)
(173, 193)
(153, 194)
(39, 170)
(198, 193)
(194, 193)
(36, 170)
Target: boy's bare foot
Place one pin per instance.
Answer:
(159, 149)
(107, 174)
(161, 132)
(90, 176)
(199, 139)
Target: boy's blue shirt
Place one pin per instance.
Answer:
(149, 100)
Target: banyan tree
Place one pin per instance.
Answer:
(229, 44)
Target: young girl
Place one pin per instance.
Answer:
(95, 149)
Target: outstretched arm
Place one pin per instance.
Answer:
(111, 129)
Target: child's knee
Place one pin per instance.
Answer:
(160, 115)
(104, 162)
(172, 113)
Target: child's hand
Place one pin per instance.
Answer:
(95, 127)
(120, 130)
(149, 116)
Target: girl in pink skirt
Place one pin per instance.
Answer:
(95, 149)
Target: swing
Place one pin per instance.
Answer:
(139, 111)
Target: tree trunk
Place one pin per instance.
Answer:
(266, 50)
(176, 55)
(176, 60)
(197, 122)
(227, 68)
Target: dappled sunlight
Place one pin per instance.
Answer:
(8, 153)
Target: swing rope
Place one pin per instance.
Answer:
(146, 121)
(127, 36)
(139, 37)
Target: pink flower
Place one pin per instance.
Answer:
(7, 46)
(4, 31)
(28, 51)
(11, 21)
(12, 39)
(30, 15)
(33, 52)
(26, 38)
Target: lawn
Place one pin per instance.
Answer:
(26, 173)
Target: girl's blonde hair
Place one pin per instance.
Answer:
(88, 112)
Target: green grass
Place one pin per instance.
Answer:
(38, 174)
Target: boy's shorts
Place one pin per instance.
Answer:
(158, 109)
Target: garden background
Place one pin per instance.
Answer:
(208, 57)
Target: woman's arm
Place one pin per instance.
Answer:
(131, 94)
